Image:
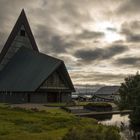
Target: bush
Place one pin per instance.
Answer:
(92, 133)
(71, 103)
(135, 116)
(98, 106)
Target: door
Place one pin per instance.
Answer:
(52, 97)
(28, 97)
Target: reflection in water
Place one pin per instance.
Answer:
(122, 121)
(102, 118)
(117, 120)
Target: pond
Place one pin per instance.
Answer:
(117, 120)
(121, 121)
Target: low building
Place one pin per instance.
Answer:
(27, 75)
(107, 93)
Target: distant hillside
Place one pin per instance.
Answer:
(107, 90)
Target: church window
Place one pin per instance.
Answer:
(22, 32)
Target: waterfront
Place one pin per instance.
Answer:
(117, 120)
(123, 122)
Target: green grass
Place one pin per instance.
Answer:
(26, 124)
(99, 104)
(83, 103)
(51, 124)
(55, 104)
(64, 104)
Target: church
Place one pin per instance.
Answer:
(29, 76)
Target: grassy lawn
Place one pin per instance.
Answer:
(51, 124)
(55, 104)
(78, 103)
(29, 125)
(64, 104)
(83, 103)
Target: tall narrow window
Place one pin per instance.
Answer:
(22, 32)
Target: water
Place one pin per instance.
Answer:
(117, 120)
(121, 121)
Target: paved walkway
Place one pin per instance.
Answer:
(40, 107)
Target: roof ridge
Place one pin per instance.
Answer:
(22, 20)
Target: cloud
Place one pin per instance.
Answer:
(111, 29)
(129, 7)
(130, 61)
(133, 38)
(9, 12)
(90, 35)
(100, 53)
(54, 42)
(97, 77)
(131, 31)
(72, 30)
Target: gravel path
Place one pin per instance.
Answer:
(40, 107)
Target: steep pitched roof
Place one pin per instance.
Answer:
(28, 69)
(63, 73)
(22, 20)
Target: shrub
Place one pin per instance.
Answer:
(135, 116)
(92, 133)
(71, 103)
(35, 109)
(98, 106)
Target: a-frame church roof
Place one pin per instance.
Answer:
(22, 21)
(28, 69)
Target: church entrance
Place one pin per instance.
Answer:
(28, 97)
(52, 97)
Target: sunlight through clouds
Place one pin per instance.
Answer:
(98, 40)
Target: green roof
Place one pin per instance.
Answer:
(27, 70)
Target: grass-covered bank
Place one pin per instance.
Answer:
(50, 124)
(99, 106)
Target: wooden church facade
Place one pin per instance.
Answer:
(26, 75)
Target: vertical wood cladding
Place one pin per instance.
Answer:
(18, 42)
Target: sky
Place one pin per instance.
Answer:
(99, 40)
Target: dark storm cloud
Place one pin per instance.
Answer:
(131, 61)
(129, 7)
(64, 26)
(131, 31)
(56, 43)
(90, 35)
(74, 12)
(68, 13)
(50, 41)
(100, 54)
(128, 27)
(133, 38)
